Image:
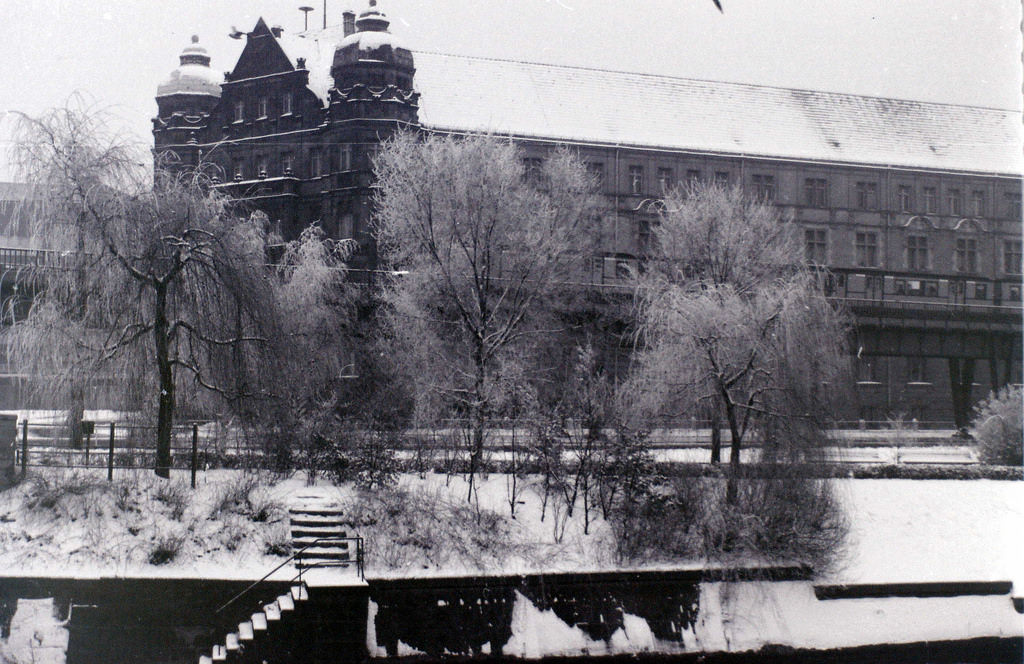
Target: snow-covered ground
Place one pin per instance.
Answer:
(900, 531)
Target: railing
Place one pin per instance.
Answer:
(107, 445)
(298, 556)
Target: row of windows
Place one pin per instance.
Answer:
(918, 251)
(263, 107)
(816, 192)
(320, 161)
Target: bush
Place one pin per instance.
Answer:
(780, 519)
(47, 491)
(997, 428)
(166, 549)
(174, 495)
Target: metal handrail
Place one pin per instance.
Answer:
(298, 554)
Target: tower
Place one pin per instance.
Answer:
(184, 103)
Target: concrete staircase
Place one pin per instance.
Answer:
(316, 532)
(259, 638)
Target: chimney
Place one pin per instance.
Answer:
(349, 21)
(276, 31)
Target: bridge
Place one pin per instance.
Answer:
(973, 325)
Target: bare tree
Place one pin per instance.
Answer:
(482, 243)
(733, 322)
(161, 291)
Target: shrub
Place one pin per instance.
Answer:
(166, 549)
(47, 491)
(234, 495)
(777, 519)
(174, 495)
(278, 542)
(997, 428)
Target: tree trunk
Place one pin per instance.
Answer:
(716, 437)
(165, 415)
(476, 417)
(734, 449)
(75, 414)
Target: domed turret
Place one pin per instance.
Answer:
(372, 56)
(194, 75)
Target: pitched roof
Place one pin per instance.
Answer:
(462, 93)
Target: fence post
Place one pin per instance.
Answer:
(88, 438)
(195, 452)
(24, 448)
(110, 456)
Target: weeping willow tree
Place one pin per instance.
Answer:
(155, 290)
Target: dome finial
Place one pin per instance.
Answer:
(195, 39)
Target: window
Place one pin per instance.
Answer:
(917, 252)
(287, 163)
(905, 198)
(239, 169)
(664, 179)
(345, 157)
(954, 202)
(239, 111)
(815, 192)
(262, 107)
(866, 371)
(315, 164)
(764, 187)
(532, 167)
(867, 195)
(722, 178)
(692, 176)
(931, 200)
(1011, 256)
(596, 171)
(815, 246)
(978, 203)
(643, 232)
(917, 370)
(966, 256)
(1013, 205)
(286, 104)
(866, 248)
(261, 166)
(636, 179)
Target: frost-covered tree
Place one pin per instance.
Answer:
(161, 294)
(482, 244)
(733, 322)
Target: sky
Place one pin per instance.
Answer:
(114, 53)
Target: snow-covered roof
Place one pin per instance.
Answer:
(193, 75)
(317, 48)
(371, 40)
(462, 93)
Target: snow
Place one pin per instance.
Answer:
(618, 108)
(537, 633)
(35, 634)
(318, 51)
(370, 40)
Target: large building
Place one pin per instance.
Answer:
(915, 207)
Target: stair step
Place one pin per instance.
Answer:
(286, 602)
(259, 621)
(205, 659)
(231, 642)
(310, 543)
(326, 555)
(219, 654)
(272, 611)
(319, 564)
(306, 524)
(245, 632)
(318, 534)
(299, 593)
(316, 511)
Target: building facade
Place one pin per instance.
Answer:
(914, 207)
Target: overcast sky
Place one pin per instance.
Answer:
(954, 51)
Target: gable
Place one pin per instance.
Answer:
(261, 56)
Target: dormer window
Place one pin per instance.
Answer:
(239, 111)
(263, 107)
(286, 104)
